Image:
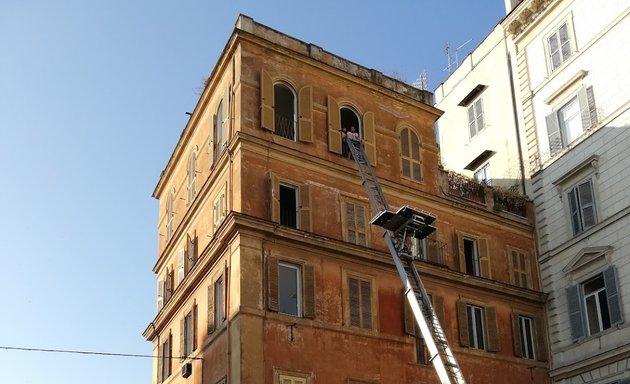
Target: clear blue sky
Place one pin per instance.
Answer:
(93, 96)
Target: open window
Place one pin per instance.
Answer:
(285, 112)
(346, 117)
(290, 287)
(291, 203)
(474, 257)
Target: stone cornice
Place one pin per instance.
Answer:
(524, 15)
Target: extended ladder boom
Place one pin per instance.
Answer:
(397, 228)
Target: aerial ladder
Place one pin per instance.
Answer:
(398, 228)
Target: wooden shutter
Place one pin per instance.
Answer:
(553, 133)
(516, 336)
(541, 345)
(266, 101)
(170, 280)
(462, 322)
(587, 204)
(272, 284)
(305, 207)
(194, 330)
(366, 304)
(181, 265)
(334, 126)
(432, 251)
(160, 294)
(226, 274)
(182, 338)
(305, 111)
(369, 137)
(211, 138)
(459, 240)
(309, 291)
(211, 320)
(438, 308)
(409, 320)
(275, 197)
(590, 97)
(612, 295)
(576, 314)
(225, 113)
(585, 111)
(492, 328)
(354, 302)
(484, 257)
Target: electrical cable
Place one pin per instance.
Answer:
(24, 349)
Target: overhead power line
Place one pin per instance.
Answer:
(24, 349)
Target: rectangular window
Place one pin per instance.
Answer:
(483, 174)
(169, 216)
(290, 289)
(354, 219)
(526, 327)
(417, 247)
(218, 211)
(160, 294)
(191, 252)
(559, 46)
(165, 358)
(181, 265)
(471, 255)
(520, 270)
(169, 284)
(219, 306)
(582, 207)
(289, 206)
(360, 302)
(475, 326)
(475, 117)
(189, 333)
(571, 120)
(594, 305)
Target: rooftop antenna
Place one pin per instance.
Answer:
(422, 82)
(449, 59)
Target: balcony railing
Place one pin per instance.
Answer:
(462, 186)
(436, 251)
(285, 126)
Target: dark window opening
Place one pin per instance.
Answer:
(288, 206)
(284, 109)
(472, 257)
(349, 119)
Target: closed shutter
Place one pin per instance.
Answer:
(438, 308)
(305, 207)
(585, 112)
(211, 320)
(553, 133)
(351, 234)
(266, 101)
(576, 313)
(170, 280)
(432, 252)
(369, 137)
(516, 336)
(472, 128)
(408, 318)
(226, 276)
(612, 295)
(194, 330)
(459, 240)
(354, 302)
(592, 108)
(275, 197)
(462, 322)
(182, 338)
(492, 328)
(272, 283)
(160, 294)
(309, 291)
(360, 225)
(225, 124)
(541, 345)
(484, 258)
(334, 126)
(366, 304)
(574, 209)
(211, 138)
(305, 110)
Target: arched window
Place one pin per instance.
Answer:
(350, 118)
(218, 132)
(191, 173)
(410, 155)
(285, 107)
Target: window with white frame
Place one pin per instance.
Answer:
(571, 120)
(559, 46)
(582, 206)
(290, 289)
(526, 327)
(285, 108)
(289, 205)
(483, 174)
(218, 211)
(475, 317)
(594, 305)
(219, 304)
(189, 332)
(475, 117)
(471, 254)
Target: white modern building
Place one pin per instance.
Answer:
(572, 90)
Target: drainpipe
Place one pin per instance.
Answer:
(515, 114)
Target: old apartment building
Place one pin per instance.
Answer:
(268, 270)
(561, 63)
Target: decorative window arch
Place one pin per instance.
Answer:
(410, 154)
(285, 111)
(343, 113)
(191, 175)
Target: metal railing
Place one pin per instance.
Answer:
(285, 126)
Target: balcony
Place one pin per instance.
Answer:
(470, 189)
